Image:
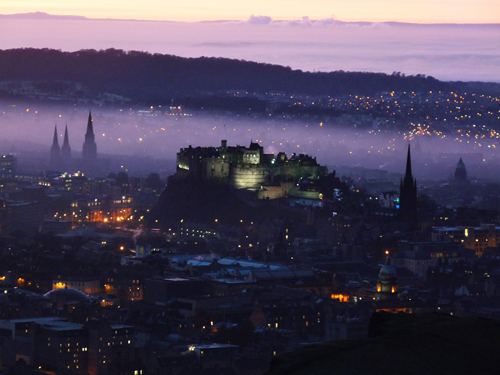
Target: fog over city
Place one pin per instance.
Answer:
(444, 51)
(138, 133)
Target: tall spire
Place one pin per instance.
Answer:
(408, 194)
(55, 151)
(55, 141)
(66, 149)
(89, 151)
(89, 135)
(408, 174)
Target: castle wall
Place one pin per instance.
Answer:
(216, 168)
(246, 168)
(271, 192)
(245, 176)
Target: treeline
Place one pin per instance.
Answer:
(146, 77)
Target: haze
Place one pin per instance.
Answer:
(123, 131)
(446, 52)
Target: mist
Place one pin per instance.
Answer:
(142, 143)
(446, 52)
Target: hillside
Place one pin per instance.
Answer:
(146, 77)
(403, 344)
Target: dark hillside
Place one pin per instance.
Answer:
(404, 344)
(142, 76)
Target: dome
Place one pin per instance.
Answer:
(460, 164)
(387, 272)
(66, 294)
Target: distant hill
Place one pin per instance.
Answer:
(403, 344)
(40, 16)
(144, 77)
(149, 78)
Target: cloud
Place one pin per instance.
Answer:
(259, 20)
(325, 22)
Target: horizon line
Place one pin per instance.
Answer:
(43, 15)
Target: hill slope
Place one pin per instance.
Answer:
(404, 344)
(142, 76)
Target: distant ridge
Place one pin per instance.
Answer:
(41, 16)
(145, 77)
(47, 16)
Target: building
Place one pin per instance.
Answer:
(60, 157)
(8, 166)
(246, 167)
(66, 150)
(408, 194)
(474, 238)
(387, 284)
(89, 151)
(418, 257)
(54, 343)
(55, 152)
(87, 285)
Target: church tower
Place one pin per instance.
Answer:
(89, 151)
(408, 194)
(460, 173)
(65, 149)
(55, 152)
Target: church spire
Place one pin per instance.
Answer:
(55, 141)
(89, 135)
(66, 149)
(408, 194)
(408, 175)
(89, 151)
(55, 151)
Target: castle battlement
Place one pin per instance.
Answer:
(244, 167)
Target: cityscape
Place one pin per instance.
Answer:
(174, 215)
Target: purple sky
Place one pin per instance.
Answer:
(446, 52)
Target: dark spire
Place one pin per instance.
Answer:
(89, 151)
(66, 138)
(66, 149)
(408, 194)
(90, 129)
(460, 172)
(408, 175)
(55, 141)
(55, 151)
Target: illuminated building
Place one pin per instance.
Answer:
(474, 238)
(125, 287)
(418, 257)
(8, 165)
(93, 348)
(387, 284)
(245, 167)
(84, 284)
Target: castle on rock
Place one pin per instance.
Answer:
(247, 167)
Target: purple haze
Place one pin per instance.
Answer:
(446, 52)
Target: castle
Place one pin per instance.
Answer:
(246, 167)
(60, 157)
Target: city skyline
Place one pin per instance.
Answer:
(443, 11)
